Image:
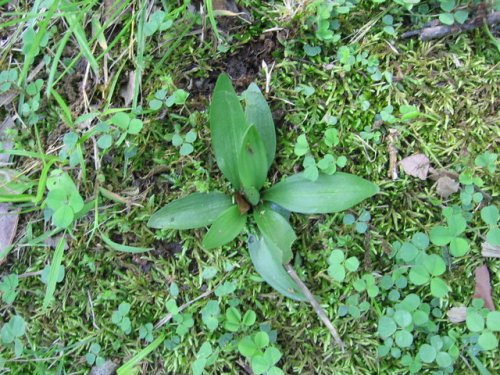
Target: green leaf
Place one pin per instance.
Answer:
(123, 248)
(439, 288)
(490, 215)
(247, 347)
(459, 247)
(447, 18)
(327, 194)
(252, 160)
(461, 16)
(257, 113)
(419, 275)
(127, 368)
(440, 236)
(268, 265)
(403, 318)
(352, 264)
(63, 217)
(474, 321)
(488, 341)
(249, 318)
(194, 211)
(228, 125)
(386, 327)
(260, 364)
(301, 146)
(493, 321)
(54, 273)
(228, 225)
(403, 338)
(276, 230)
(444, 360)
(337, 272)
(427, 353)
(261, 339)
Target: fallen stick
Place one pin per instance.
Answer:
(435, 31)
(319, 310)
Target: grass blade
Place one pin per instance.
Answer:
(54, 272)
(127, 368)
(123, 248)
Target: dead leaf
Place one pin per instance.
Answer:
(8, 227)
(108, 368)
(446, 186)
(416, 165)
(490, 251)
(483, 286)
(457, 314)
(127, 92)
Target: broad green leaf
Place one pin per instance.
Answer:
(327, 194)
(194, 211)
(257, 113)
(276, 229)
(267, 263)
(228, 125)
(228, 225)
(252, 160)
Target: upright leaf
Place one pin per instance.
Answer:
(276, 229)
(252, 161)
(54, 273)
(227, 226)
(333, 193)
(268, 265)
(194, 211)
(228, 125)
(257, 113)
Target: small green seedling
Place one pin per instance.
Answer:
(262, 357)
(63, 201)
(185, 143)
(354, 307)
(160, 99)
(360, 224)
(121, 319)
(490, 216)
(93, 357)
(339, 265)
(235, 322)
(427, 269)
(244, 143)
(126, 124)
(8, 287)
(487, 160)
(451, 234)
(146, 332)
(7, 79)
(205, 357)
(11, 333)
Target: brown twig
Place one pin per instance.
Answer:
(314, 303)
(434, 31)
(169, 316)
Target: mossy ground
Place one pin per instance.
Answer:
(455, 80)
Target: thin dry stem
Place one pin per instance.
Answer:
(316, 306)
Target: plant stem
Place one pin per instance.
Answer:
(316, 306)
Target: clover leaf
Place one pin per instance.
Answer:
(450, 235)
(339, 265)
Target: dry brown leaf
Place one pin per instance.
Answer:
(127, 92)
(446, 186)
(108, 368)
(483, 286)
(457, 314)
(416, 165)
(8, 226)
(490, 251)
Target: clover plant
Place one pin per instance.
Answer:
(244, 143)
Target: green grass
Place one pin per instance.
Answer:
(453, 80)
